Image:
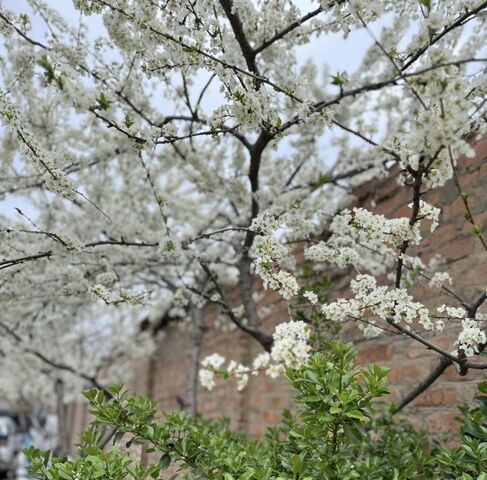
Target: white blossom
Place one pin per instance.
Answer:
(453, 312)
(207, 378)
(471, 337)
(260, 362)
(439, 279)
(214, 361)
(291, 344)
(311, 296)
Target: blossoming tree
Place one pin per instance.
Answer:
(182, 153)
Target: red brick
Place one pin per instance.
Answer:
(417, 349)
(454, 212)
(375, 353)
(442, 422)
(399, 373)
(271, 417)
(436, 396)
(456, 248)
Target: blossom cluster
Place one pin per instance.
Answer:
(471, 337)
(428, 211)
(111, 297)
(291, 349)
(394, 305)
(393, 231)
(271, 254)
(358, 235)
(439, 279)
(35, 152)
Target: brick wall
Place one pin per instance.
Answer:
(163, 378)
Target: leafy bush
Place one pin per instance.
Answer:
(339, 431)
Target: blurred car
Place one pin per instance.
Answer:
(10, 443)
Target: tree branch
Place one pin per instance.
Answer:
(279, 35)
(263, 338)
(442, 365)
(237, 27)
(191, 400)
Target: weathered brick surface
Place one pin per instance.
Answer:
(163, 377)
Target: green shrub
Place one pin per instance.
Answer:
(339, 431)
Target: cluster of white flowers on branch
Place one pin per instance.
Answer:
(291, 349)
(382, 302)
(471, 338)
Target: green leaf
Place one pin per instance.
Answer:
(103, 101)
(482, 387)
(128, 122)
(355, 414)
(476, 230)
(164, 461)
(247, 475)
(339, 78)
(48, 68)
